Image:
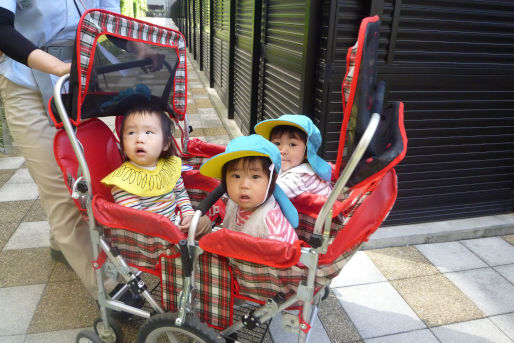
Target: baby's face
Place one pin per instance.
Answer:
(143, 139)
(247, 186)
(292, 150)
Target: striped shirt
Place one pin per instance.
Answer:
(303, 179)
(165, 204)
(276, 225)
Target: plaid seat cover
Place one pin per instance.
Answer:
(138, 250)
(213, 283)
(262, 282)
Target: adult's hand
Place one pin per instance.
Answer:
(144, 51)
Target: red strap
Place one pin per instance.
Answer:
(99, 262)
(303, 323)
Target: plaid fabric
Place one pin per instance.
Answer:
(347, 81)
(194, 161)
(138, 250)
(97, 22)
(171, 279)
(212, 283)
(261, 282)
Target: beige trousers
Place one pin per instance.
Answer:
(33, 135)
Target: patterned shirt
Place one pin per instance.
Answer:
(277, 225)
(165, 204)
(303, 179)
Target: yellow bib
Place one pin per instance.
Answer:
(143, 182)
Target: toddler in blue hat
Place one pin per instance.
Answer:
(298, 140)
(257, 206)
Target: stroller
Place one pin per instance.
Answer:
(212, 290)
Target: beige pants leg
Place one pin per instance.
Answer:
(33, 134)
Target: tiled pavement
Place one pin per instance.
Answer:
(460, 291)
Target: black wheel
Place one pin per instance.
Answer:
(108, 336)
(87, 336)
(161, 328)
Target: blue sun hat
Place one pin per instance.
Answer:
(321, 167)
(253, 145)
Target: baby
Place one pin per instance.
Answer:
(256, 206)
(150, 178)
(298, 140)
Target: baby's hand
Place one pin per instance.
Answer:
(184, 224)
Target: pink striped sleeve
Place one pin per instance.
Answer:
(279, 228)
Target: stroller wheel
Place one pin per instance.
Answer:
(87, 336)
(109, 336)
(161, 328)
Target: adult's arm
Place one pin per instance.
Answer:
(16, 46)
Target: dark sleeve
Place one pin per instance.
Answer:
(12, 43)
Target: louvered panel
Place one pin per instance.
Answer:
(280, 94)
(474, 33)
(243, 66)
(281, 60)
(206, 36)
(242, 89)
(221, 35)
(197, 30)
(450, 62)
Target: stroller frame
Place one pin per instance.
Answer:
(308, 295)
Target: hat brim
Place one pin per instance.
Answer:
(213, 166)
(265, 127)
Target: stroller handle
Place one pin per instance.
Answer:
(128, 65)
(65, 119)
(325, 215)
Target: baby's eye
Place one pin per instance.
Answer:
(256, 177)
(292, 145)
(277, 143)
(130, 133)
(148, 132)
(235, 176)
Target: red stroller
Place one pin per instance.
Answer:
(205, 284)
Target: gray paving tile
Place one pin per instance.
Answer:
(493, 250)
(54, 336)
(25, 267)
(18, 191)
(35, 213)
(336, 322)
(6, 230)
(11, 162)
(450, 256)
(509, 239)
(429, 297)
(12, 339)
(357, 271)
(64, 306)
(21, 176)
(377, 310)
(418, 336)
(506, 323)
(507, 271)
(486, 288)
(279, 334)
(475, 331)
(18, 305)
(14, 211)
(401, 262)
(30, 235)
(5, 175)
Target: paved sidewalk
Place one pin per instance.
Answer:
(459, 291)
